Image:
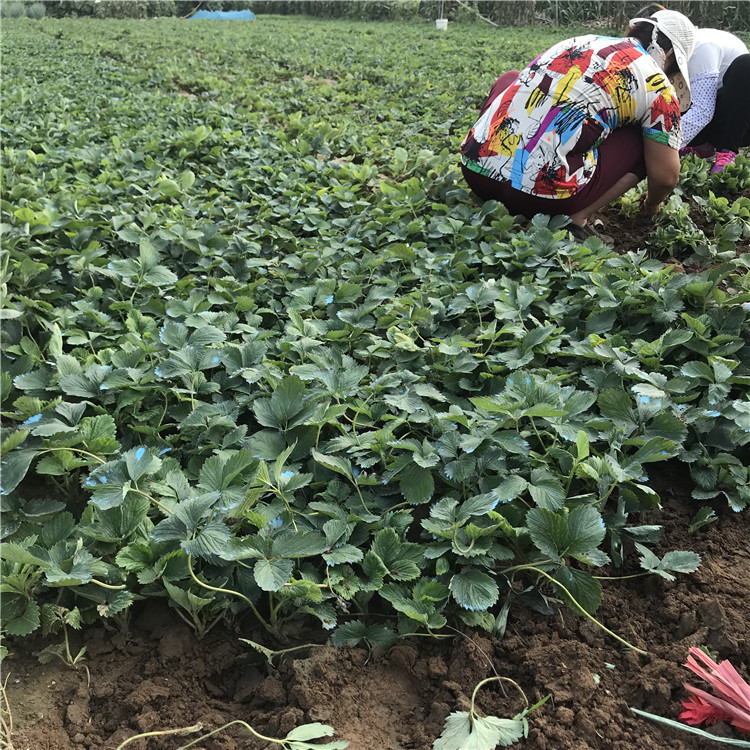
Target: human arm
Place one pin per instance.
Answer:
(703, 90)
(662, 173)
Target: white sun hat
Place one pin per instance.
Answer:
(681, 32)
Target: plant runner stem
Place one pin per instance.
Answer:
(107, 585)
(77, 450)
(497, 678)
(581, 609)
(158, 733)
(153, 500)
(228, 591)
(226, 726)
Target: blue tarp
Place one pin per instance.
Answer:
(225, 15)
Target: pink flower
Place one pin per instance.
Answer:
(733, 705)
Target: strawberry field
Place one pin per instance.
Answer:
(271, 372)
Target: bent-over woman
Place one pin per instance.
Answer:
(584, 123)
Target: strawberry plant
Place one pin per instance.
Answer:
(465, 729)
(264, 357)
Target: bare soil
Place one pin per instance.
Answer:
(632, 233)
(156, 675)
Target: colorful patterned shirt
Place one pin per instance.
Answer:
(542, 133)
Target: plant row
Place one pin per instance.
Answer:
(265, 372)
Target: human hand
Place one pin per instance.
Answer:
(649, 208)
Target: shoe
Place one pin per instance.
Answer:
(723, 159)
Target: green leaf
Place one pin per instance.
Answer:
(479, 505)
(356, 632)
(512, 442)
(560, 534)
(310, 732)
(228, 476)
(505, 732)
(416, 484)
(586, 528)
(285, 403)
(108, 484)
(114, 602)
(582, 586)
(169, 188)
(135, 557)
(490, 404)
(510, 488)
(79, 385)
(546, 411)
(186, 599)
(339, 465)
(305, 544)
(373, 568)
(456, 732)
(697, 370)
(484, 620)
(681, 561)
(655, 449)
(703, 517)
(17, 553)
(206, 335)
(578, 402)
(66, 569)
(213, 539)
(667, 426)
(323, 611)
(582, 444)
(187, 179)
(13, 468)
(677, 561)
(99, 434)
(140, 461)
(399, 559)
(547, 493)
(59, 463)
(14, 440)
(52, 427)
(37, 380)
(536, 336)
(474, 590)
(117, 524)
(345, 582)
(174, 335)
(617, 406)
(266, 444)
(271, 575)
(345, 553)
(57, 529)
(22, 623)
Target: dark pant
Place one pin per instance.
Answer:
(619, 153)
(730, 127)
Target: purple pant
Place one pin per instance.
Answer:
(620, 152)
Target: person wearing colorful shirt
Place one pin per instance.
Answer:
(584, 123)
